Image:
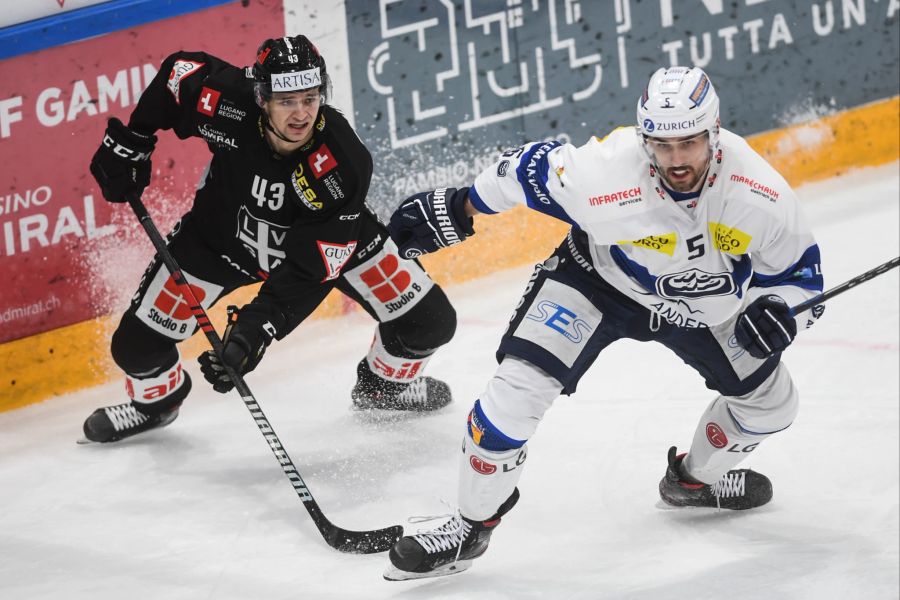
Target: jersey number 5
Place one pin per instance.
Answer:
(696, 249)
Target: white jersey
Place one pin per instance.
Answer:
(695, 263)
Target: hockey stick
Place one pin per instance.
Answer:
(358, 542)
(879, 270)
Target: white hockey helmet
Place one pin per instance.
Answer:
(679, 102)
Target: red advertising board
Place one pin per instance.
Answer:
(66, 255)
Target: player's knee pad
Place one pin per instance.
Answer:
(732, 427)
(138, 350)
(486, 478)
(516, 397)
(430, 324)
(160, 391)
(769, 408)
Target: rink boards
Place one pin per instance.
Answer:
(73, 357)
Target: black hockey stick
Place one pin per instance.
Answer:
(358, 542)
(840, 289)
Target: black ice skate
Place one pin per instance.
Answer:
(114, 423)
(446, 550)
(739, 489)
(422, 395)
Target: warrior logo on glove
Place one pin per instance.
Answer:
(429, 221)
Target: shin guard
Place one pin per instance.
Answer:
(733, 426)
(486, 478)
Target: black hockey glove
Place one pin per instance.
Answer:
(121, 164)
(766, 327)
(249, 332)
(429, 221)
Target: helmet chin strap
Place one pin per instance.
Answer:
(276, 133)
(262, 104)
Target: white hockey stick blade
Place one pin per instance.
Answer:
(395, 574)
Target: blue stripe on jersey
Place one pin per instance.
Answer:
(806, 273)
(478, 203)
(637, 272)
(532, 174)
(740, 272)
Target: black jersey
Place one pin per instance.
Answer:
(294, 221)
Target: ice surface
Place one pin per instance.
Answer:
(202, 509)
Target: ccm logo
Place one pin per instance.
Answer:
(482, 467)
(123, 152)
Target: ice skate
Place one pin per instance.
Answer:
(422, 395)
(446, 550)
(114, 423)
(739, 489)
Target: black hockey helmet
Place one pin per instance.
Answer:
(289, 64)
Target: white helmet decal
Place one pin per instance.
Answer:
(679, 102)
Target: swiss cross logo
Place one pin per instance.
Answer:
(386, 280)
(171, 303)
(208, 101)
(321, 161)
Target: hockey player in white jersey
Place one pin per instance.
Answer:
(681, 234)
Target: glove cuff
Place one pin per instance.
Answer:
(269, 319)
(135, 140)
(457, 204)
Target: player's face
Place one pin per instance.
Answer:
(293, 114)
(682, 161)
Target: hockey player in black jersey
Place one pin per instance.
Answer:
(282, 202)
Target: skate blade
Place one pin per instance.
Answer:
(83, 441)
(395, 574)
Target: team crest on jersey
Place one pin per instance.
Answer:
(729, 239)
(263, 240)
(695, 283)
(181, 70)
(335, 256)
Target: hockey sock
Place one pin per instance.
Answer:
(394, 368)
(732, 427)
(161, 392)
(487, 478)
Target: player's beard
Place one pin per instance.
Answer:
(688, 179)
